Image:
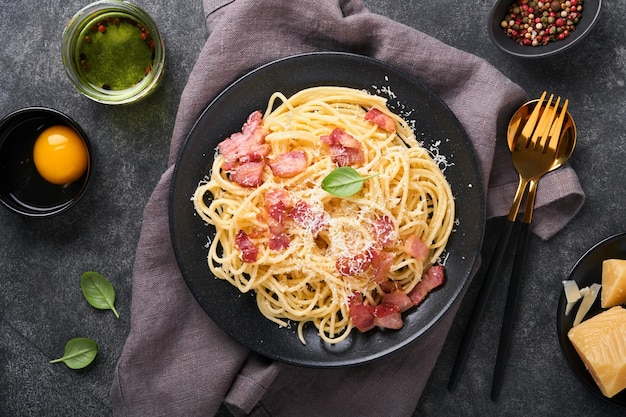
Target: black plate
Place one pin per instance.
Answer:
(236, 313)
(588, 270)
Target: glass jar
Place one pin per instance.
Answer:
(113, 52)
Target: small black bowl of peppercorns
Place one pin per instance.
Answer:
(537, 29)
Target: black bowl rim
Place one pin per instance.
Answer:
(47, 111)
(510, 47)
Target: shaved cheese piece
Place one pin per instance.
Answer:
(601, 344)
(572, 294)
(613, 282)
(586, 303)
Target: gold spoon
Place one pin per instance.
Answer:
(564, 149)
(566, 144)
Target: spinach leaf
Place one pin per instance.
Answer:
(98, 291)
(78, 353)
(344, 181)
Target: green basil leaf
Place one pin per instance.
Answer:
(98, 291)
(78, 353)
(344, 181)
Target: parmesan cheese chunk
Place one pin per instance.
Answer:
(613, 283)
(572, 294)
(601, 343)
(589, 297)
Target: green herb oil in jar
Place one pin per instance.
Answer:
(114, 52)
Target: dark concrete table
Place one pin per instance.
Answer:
(41, 305)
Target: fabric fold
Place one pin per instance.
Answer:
(250, 385)
(169, 358)
(176, 361)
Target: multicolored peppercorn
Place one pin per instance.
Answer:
(536, 23)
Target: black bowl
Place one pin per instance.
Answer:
(22, 189)
(238, 314)
(586, 272)
(590, 13)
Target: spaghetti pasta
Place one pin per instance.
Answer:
(308, 255)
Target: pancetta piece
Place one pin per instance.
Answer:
(361, 315)
(312, 218)
(249, 174)
(244, 245)
(345, 150)
(416, 247)
(398, 298)
(381, 265)
(277, 206)
(387, 316)
(243, 148)
(384, 232)
(433, 278)
(289, 164)
(380, 119)
(355, 264)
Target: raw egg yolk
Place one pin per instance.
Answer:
(60, 155)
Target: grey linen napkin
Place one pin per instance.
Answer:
(176, 361)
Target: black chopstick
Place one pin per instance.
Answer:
(483, 297)
(512, 301)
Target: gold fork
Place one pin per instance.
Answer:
(553, 150)
(528, 147)
(532, 157)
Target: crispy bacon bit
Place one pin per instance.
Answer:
(289, 164)
(279, 241)
(390, 286)
(249, 252)
(277, 203)
(433, 278)
(384, 232)
(361, 316)
(399, 299)
(249, 174)
(381, 265)
(344, 148)
(387, 316)
(277, 206)
(388, 313)
(247, 145)
(415, 247)
(355, 264)
(381, 119)
(244, 148)
(310, 218)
